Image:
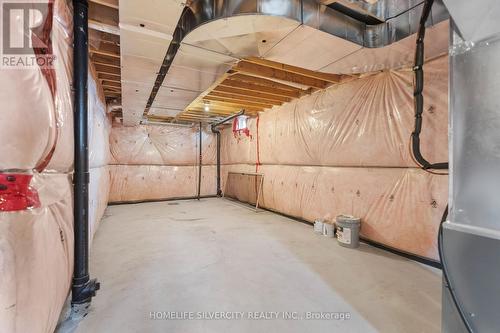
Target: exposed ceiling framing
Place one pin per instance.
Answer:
(254, 84)
(242, 61)
(104, 46)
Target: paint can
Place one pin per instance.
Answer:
(348, 230)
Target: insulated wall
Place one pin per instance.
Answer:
(36, 222)
(345, 150)
(99, 155)
(156, 162)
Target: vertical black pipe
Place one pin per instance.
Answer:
(217, 133)
(217, 136)
(199, 167)
(219, 190)
(83, 288)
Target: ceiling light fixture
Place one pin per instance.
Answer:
(207, 106)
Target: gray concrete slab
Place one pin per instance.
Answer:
(158, 260)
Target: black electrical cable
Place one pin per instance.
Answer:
(417, 93)
(445, 273)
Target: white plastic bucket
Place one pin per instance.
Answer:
(318, 227)
(328, 230)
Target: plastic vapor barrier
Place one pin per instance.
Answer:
(36, 162)
(345, 150)
(153, 162)
(158, 182)
(36, 258)
(99, 155)
(161, 145)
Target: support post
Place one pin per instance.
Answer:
(83, 289)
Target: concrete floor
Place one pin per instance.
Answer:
(216, 255)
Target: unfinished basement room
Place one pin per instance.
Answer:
(249, 166)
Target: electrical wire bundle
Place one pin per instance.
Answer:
(418, 96)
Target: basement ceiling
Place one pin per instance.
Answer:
(241, 44)
(254, 85)
(216, 50)
(146, 29)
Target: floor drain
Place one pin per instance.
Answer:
(173, 203)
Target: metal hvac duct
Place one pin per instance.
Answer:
(397, 19)
(471, 235)
(211, 36)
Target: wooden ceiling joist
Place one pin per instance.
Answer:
(108, 76)
(101, 11)
(255, 85)
(112, 92)
(240, 98)
(250, 93)
(103, 27)
(239, 103)
(273, 73)
(197, 119)
(263, 82)
(107, 3)
(216, 113)
(189, 116)
(112, 83)
(107, 84)
(111, 76)
(232, 106)
(235, 107)
(105, 61)
(206, 114)
(104, 44)
(217, 109)
(243, 99)
(104, 77)
(211, 110)
(251, 87)
(332, 78)
(106, 69)
(222, 107)
(108, 54)
(201, 115)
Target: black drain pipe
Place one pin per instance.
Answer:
(217, 134)
(83, 289)
(199, 167)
